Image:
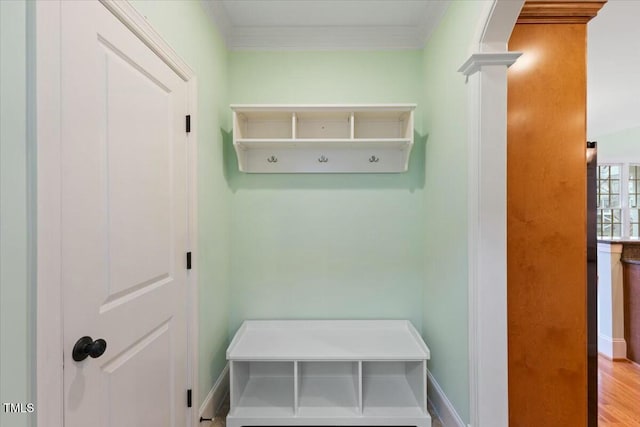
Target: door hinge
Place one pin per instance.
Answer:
(188, 123)
(189, 398)
(188, 260)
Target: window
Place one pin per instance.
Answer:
(634, 200)
(609, 201)
(618, 200)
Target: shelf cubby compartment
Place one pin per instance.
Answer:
(323, 125)
(366, 138)
(394, 388)
(262, 389)
(328, 389)
(263, 125)
(381, 125)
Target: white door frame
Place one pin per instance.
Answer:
(49, 311)
(486, 73)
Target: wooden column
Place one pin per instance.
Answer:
(546, 215)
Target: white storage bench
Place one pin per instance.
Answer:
(328, 373)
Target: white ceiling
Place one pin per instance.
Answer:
(325, 24)
(613, 70)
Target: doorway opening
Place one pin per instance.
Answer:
(612, 94)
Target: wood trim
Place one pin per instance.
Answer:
(559, 12)
(612, 348)
(192, 275)
(216, 397)
(49, 346)
(138, 24)
(477, 60)
(486, 220)
(487, 252)
(441, 403)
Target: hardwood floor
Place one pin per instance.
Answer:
(618, 393)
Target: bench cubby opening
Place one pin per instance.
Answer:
(262, 388)
(328, 388)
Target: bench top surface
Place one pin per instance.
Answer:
(327, 340)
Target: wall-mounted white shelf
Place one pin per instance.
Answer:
(328, 372)
(323, 138)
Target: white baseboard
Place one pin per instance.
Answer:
(442, 405)
(612, 348)
(216, 395)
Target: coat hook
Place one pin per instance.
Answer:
(373, 159)
(272, 159)
(323, 159)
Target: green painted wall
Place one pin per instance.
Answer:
(187, 28)
(16, 297)
(334, 245)
(287, 246)
(445, 326)
(620, 146)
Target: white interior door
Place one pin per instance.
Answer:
(124, 225)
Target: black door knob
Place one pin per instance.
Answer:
(86, 346)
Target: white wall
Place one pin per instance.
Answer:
(622, 146)
(613, 67)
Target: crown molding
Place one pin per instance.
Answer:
(216, 11)
(559, 12)
(477, 60)
(325, 38)
(431, 19)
